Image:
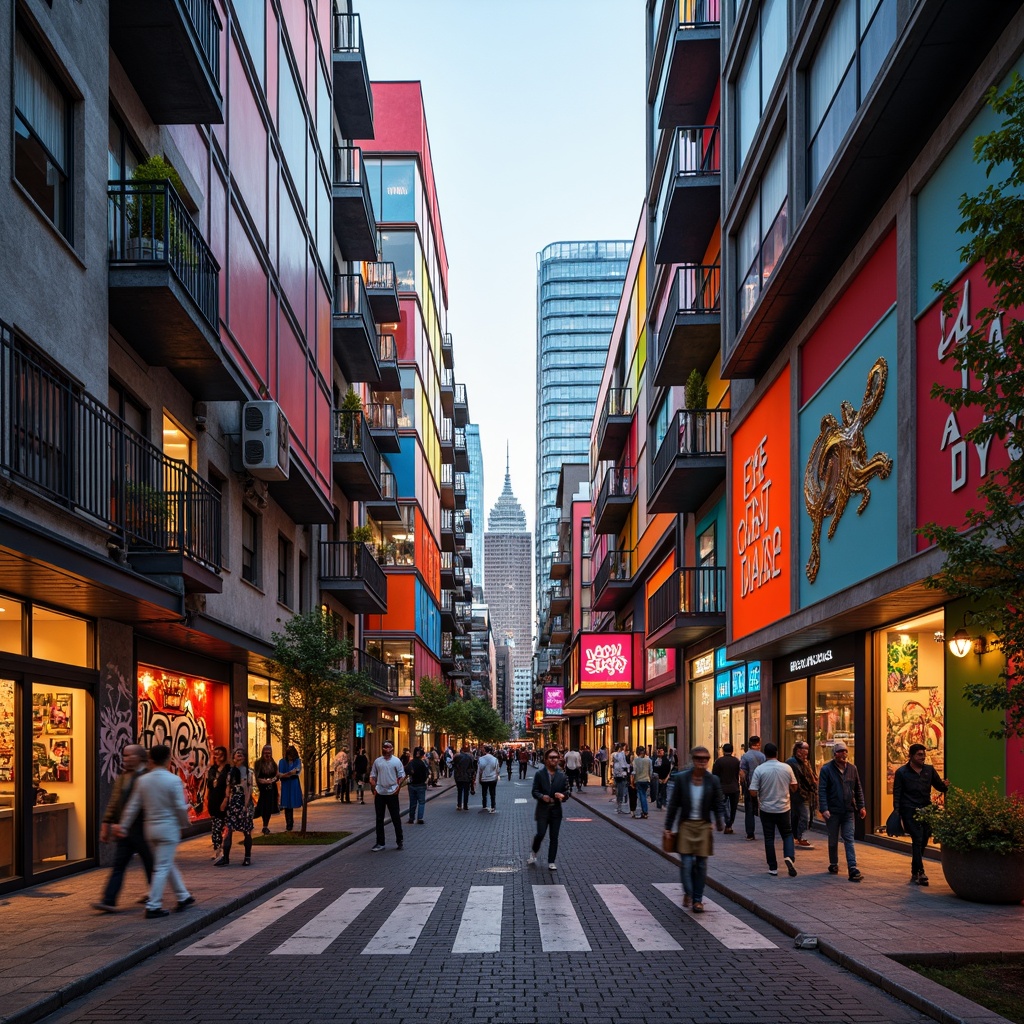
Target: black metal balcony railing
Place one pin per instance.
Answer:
(559, 624)
(693, 591)
(348, 166)
(379, 276)
(692, 434)
(148, 223)
(460, 394)
(697, 150)
(618, 402)
(352, 560)
(350, 296)
(352, 432)
(383, 678)
(447, 646)
(348, 33)
(448, 602)
(206, 24)
(616, 567)
(447, 431)
(446, 349)
(699, 13)
(617, 483)
(447, 520)
(697, 289)
(65, 444)
(447, 475)
(388, 485)
(381, 416)
(386, 348)
(460, 439)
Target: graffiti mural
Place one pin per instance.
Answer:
(116, 721)
(920, 719)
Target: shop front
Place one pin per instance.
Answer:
(725, 701)
(666, 697)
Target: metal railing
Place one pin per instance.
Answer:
(446, 345)
(350, 297)
(379, 276)
(460, 394)
(446, 433)
(352, 433)
(697, 151)
(693, 433)
(460, 439)
(447, 475)
(697, 289)
(148, 223)
(388, 486)
(348, 166)
(348, 33)
(352, 560)
(381, 416)
(693, 592)
(618, 402)
(460, 484)
(65, 444)
(616, 567)
(467, 519)
(699, 13)
(383, 678)
(618, 483)
(559, 624)
(207, 26)
(387, 351)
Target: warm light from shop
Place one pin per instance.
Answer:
(961, 644)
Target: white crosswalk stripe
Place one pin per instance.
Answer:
(729, 930)
(560, 928)
(480, 927)
(231, 936)
(315, 937)
(638, 924)
(398, 934)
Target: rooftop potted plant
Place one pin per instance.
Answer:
(982, 838)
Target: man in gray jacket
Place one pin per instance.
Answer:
(161, 796)
(840, 797)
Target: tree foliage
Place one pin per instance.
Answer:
(985, 556)
(315, 693)
(461, 719)
(431, 704)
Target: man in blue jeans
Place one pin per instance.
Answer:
(751, 758)
(773, 784)
(418, 774)
(840, 797)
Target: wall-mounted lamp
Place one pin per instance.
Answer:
(961, 644)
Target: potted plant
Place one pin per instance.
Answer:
(695, 392)
(147, 511)
(351, 407)
(982, 837)
(147, 212)
(361, 534)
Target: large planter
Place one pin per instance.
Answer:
(984, 877)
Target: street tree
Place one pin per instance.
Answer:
(316, 694)
(431, 704)
(984, 556)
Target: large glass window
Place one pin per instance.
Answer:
(833, 715)
(401, 248)
(392, 189)
(704, 713)
(763, 234)
(758, 73)
(793, 714)
(847, 61)
(8, 760)
(12, 627)
(42, 135)
(64, 638)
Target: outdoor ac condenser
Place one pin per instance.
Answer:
(265, 440)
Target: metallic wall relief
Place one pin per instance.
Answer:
(838, 466)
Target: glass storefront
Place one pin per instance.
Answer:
(833, 714)
(642, 722)
(737, 695)
(8, 758)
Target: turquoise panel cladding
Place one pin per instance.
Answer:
(863, 544)
(938, 207)
(403, 465)
(428, 620)
(717, 517)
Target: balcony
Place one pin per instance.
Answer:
(163, 290)
(349, 572)
(446, 435)
(459, 530)
(690, 68)
(447, 487)
(464, 614)
(353, 332)
(451, 569)
(467, 561)
(447, 530)
(690, 463)
(355, 227)
(386, 509)
(383, 678)
(382, 291)
(390, 373)
(460, 490)
(467, 519)
(448, 393)
(447, 353)
(690, 334)
(613, 426)
(356, 459)
(383, 427)
(615, 499)
(461, 415)
(447, 648)
(559, 599)
(461, 451)
(448, 620)
(353, 97)
(689, 606)
(688, 207)
(561, 628)
(613, 581)
(170, 50)
(561, 567)
(65, 445)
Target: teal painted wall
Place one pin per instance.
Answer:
(863, 544)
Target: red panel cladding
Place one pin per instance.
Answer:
(248, 141)
(858, 309)
(324, 440)
(323, 331)
(292, 261)
(716, 105)
(217, 238)
(292, 380)
(405, 341)
(246, 311)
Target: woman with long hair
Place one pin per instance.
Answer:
(240, 808)
(288, 771)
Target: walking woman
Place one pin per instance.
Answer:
(288, 771)
(266, 784)
(217, 797)
(240, 808)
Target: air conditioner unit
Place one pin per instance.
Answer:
(265, 440)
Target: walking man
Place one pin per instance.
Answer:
(160, 797)
(550, 790)
(642, 774)
(602, 765)
(524, 760)
(386, 778)
(661, 770)
(840, 797)
(912, 788)
(751, 758)
(418, 773)
(806, 793)
(696, 796)
(771, 785)
(586, 764)
(464, 770)
(727, 771)
(573, 763)
(133, 766)
(487, 776)
(360, 766)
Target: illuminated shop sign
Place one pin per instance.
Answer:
(754, 677)
(554, 700)
(702, 666)
(739, 681)
(640, 710)
(606, 661)
(601, 717)
(824, 657)
(722, 686)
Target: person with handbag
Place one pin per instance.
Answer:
(696, 796)
(550, 790)
(912, 787)
(238, 814)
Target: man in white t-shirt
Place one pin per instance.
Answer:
(573, 762)
(487, 775)
(386, 778)
(772, 783)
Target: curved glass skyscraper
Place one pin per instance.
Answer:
(578, 289)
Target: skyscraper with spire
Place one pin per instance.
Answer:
(508, 574)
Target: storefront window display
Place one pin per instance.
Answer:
(642, 716)
(8, 759)
(737, 701)
(833, 714)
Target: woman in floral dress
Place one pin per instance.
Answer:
(240, 807)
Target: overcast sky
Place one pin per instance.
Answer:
(536, 117)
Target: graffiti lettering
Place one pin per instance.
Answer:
(607, 659)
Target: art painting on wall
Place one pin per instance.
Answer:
(902, 662)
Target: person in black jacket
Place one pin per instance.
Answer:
(912, 788)
(550, 790)
(694, 839)
(418, 774)
(840, 799)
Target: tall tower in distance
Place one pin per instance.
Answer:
(578, 289)
(508, 550)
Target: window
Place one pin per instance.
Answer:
(123, 404)
(122, 155)
(284, 571)
(758, 73)
(250, 546)
(42, 135)
(762, 236)
(847, 61)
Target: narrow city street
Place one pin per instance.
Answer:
(456, 927)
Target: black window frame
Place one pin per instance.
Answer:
(249, 568)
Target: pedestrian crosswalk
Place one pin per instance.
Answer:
(633, 914)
